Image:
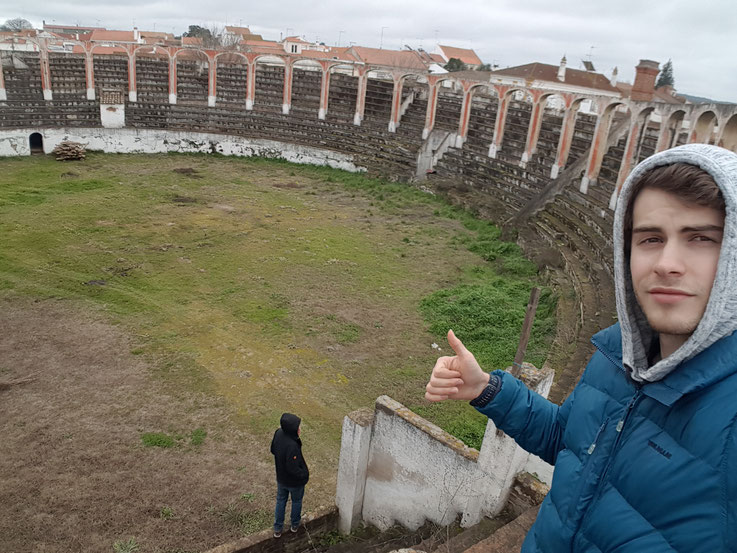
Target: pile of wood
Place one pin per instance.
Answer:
(69, 150)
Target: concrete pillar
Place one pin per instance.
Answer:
(212, 81)
(360, 97)
(597, 150)
(324, 93)
(251, 84)
(132, 93)
(465, 116)
(396, 104)
(501, 118)
(354, 455)
(533, 129)
(637, 124)
(45, 72)
(172, 80)
(286, 103)
(432, 107)
(3, 92)
(565, 140)
(89, 74)
(667, 132)
(500, 458)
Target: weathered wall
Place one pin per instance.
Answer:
(414, 471)
(126, 141)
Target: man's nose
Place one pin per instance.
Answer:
(671, 259)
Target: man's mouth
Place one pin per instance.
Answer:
(668, 295)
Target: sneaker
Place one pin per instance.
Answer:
(277, 534)
(294, 529)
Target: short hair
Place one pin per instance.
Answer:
(690, 183)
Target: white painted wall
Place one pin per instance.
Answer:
(416, 472)
(125, 141)
(112, 116)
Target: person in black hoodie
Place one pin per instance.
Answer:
(291, 471)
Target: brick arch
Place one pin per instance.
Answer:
(728, 138)
(703, 123)
(670, 124)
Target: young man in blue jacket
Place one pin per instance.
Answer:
(645, 447)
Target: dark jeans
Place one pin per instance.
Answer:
(282, 493)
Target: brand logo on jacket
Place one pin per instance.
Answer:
(665, 453)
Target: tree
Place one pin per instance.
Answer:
(666, 75)
(198, 32)
(454, 64)
(484, 67)
(17, 24)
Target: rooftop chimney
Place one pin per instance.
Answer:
(136, 34)
(644, 87)
(613, 80)
(562, 69)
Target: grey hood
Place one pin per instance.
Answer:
(720, 316)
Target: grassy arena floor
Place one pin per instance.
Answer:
(265, 287)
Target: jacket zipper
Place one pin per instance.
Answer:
(620, 426)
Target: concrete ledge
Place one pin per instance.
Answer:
(324, 519)
(509, 538)
(391, 407)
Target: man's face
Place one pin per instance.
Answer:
(675, 251)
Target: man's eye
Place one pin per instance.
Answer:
(650, 240)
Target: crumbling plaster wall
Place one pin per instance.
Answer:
(126, 141)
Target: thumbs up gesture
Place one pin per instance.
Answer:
(456, 377)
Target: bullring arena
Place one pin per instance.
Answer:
(540, 156)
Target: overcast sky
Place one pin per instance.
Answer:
(700, 36)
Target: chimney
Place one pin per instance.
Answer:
(136, 34)
(562, 69)
(644, 87)
(613, 80)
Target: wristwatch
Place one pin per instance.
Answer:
(491, 390)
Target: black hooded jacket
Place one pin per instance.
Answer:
(286, 447)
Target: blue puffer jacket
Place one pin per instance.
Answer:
(649, 468)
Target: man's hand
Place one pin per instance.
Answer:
(457, 377)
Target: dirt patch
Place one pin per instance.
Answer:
(76, 475)
(188, 171)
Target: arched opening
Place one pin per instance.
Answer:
(704, 128)
(450, 102)
(36, 142)
(379, 91)
(484, 106)
(729, 135)
(152, 75)
(231, 78)
(193, 67)
(342, 93)
(110, 64)
(306, 87)
(269, 84)
(413, 109)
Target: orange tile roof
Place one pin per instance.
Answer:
(408, 59)
(192, 41)
(466, 55)
(238, 30)
(544, 72)
(659, 94)
(116, 36)
(295, 39)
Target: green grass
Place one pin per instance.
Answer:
(246, 521)
(126, 546)
(158, 439)
(277, 287)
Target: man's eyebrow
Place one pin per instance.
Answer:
(700, 228)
